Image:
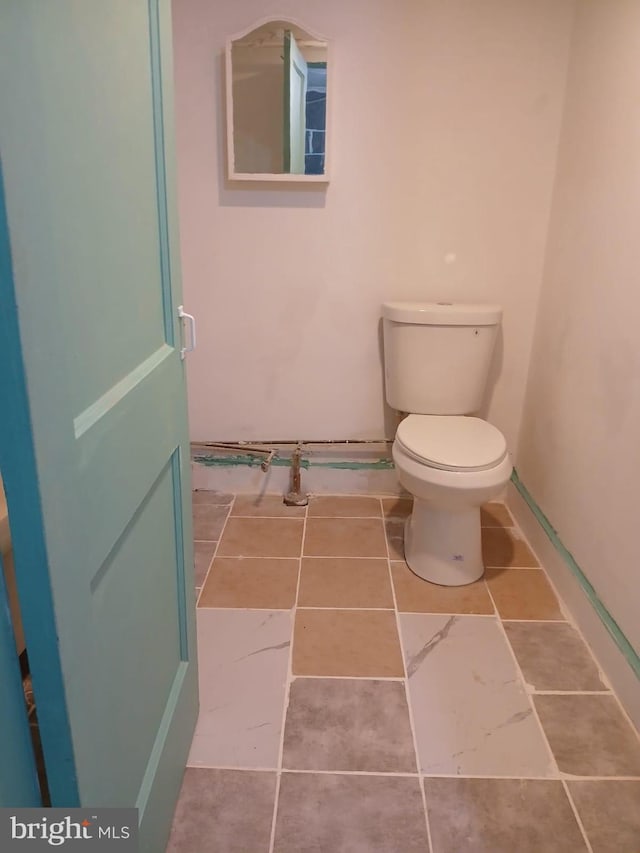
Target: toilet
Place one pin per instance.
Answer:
(437, 358)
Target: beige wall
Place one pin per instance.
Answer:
(446, 118)
(579, 451)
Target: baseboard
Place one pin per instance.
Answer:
(597, 626)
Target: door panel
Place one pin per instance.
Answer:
(87, 150)
(131, 727)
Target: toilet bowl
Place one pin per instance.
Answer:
(451, 465)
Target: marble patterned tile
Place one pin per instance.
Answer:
(501, 816)
(552, 656)
(610, 813)
(223, 811)
(471, 712)
(243, 659)
(327, 813)
(589, 735)
(348, 724)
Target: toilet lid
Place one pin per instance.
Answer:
(452, 442)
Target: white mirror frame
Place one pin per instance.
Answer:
(280, 177)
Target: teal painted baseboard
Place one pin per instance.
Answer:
(254, 461)
(612, 627)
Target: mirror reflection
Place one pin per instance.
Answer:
(278, 101)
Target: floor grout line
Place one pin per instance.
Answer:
(444, 613)
(304, 556)
(577, 816)
(535, 692)
(571, 777)
(420, 774)
(402, 612)
(257, 517)
(315, 607)
(523, 683)
(240, 769)
(341, 557)
(243, 558)
(495, 616)
(386, 773)
(340, 517)
(414, 736)
(287, 691)
(215, 551)
(354, 677)
(540, 621)
(535, 621)
(248, 609)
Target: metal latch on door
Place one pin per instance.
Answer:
(192, 331)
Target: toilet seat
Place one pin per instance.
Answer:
(452, 442)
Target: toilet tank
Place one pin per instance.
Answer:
(437, 355)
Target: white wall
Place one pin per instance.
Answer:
(579, 452)
(446, 116)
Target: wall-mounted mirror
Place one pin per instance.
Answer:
(277, 117)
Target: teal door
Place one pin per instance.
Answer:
(93, 435)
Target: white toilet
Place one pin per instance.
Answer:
(437, 358)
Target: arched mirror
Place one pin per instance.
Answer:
(277, 116)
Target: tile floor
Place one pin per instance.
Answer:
(347, 705)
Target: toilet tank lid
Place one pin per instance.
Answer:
(442, 313)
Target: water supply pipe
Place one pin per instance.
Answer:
(227, 445)
(295, 497)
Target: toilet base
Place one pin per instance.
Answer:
(444, 546)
